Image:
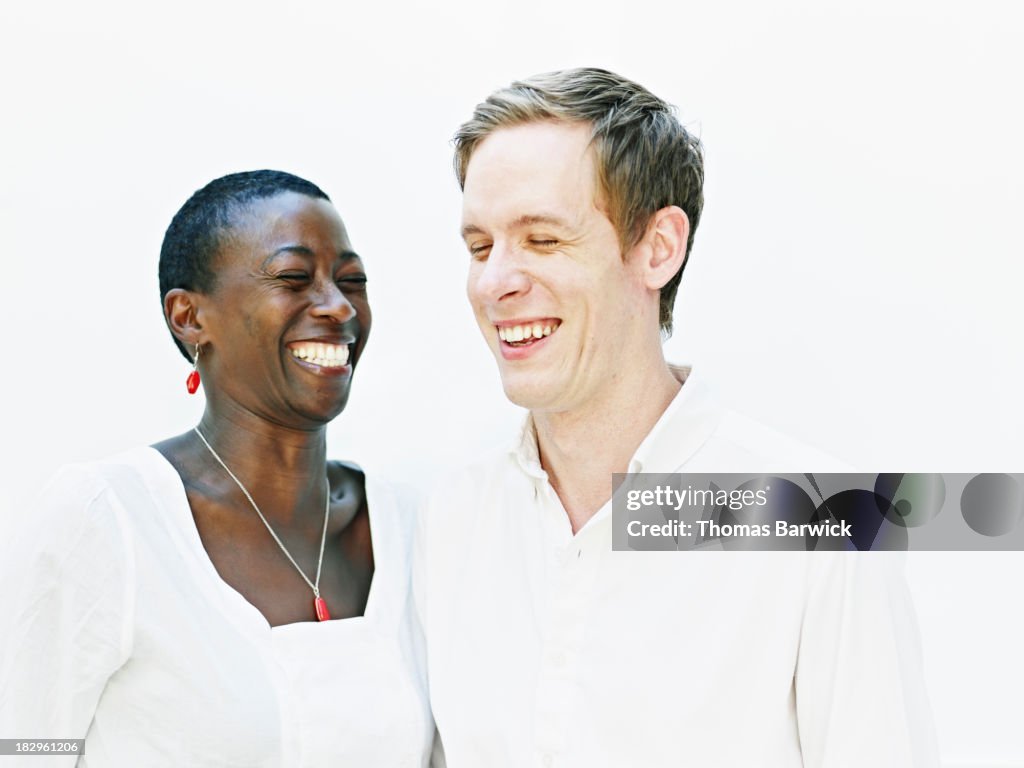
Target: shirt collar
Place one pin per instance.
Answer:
(525, 451)
(690, 419)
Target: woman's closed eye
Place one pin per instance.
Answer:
(293, 277)
(352, 282)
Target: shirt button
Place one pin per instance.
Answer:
(548, 761)
(559, 661)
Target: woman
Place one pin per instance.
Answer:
(228, 597)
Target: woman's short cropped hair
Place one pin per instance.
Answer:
(194, 237)
(646, 159)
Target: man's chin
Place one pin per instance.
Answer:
(527, 392)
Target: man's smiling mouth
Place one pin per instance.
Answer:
(522, 334)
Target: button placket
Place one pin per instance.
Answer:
(574, 571)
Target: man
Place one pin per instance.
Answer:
(582, 193)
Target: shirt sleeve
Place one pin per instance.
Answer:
(860, 695)
(437, 759)
(419, 590)
(66, 602)
(419, 565)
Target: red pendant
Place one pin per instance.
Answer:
(192, 382)
(321, 609)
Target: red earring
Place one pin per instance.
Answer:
(192, 382)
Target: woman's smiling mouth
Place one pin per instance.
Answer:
(320, 354)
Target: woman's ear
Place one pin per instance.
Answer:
(183, 314)
(666, 238)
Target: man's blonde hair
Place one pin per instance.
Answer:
(646, 160)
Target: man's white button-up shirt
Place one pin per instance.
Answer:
(549, 649)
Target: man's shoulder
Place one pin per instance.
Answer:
(743, 444)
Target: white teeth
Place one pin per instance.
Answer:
(526, 332)
(325, 355)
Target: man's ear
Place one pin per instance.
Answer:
(183, 314)
(666, 237)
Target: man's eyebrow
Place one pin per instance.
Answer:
(525, 220)
(539, 218)
(302, 250)
(471, 229)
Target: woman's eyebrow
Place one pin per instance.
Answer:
(302, 250)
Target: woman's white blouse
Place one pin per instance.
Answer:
(116, 628)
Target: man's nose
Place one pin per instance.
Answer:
(502, 275)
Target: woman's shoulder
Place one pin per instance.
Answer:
(383, 489)
(81, 483)
(392, 502)
(92, 496)
(80, 524)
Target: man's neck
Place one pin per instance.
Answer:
(582, 448)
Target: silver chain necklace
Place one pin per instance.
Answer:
(319, 604)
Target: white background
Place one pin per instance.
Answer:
(856, 279)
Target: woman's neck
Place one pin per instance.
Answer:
(282, 468)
